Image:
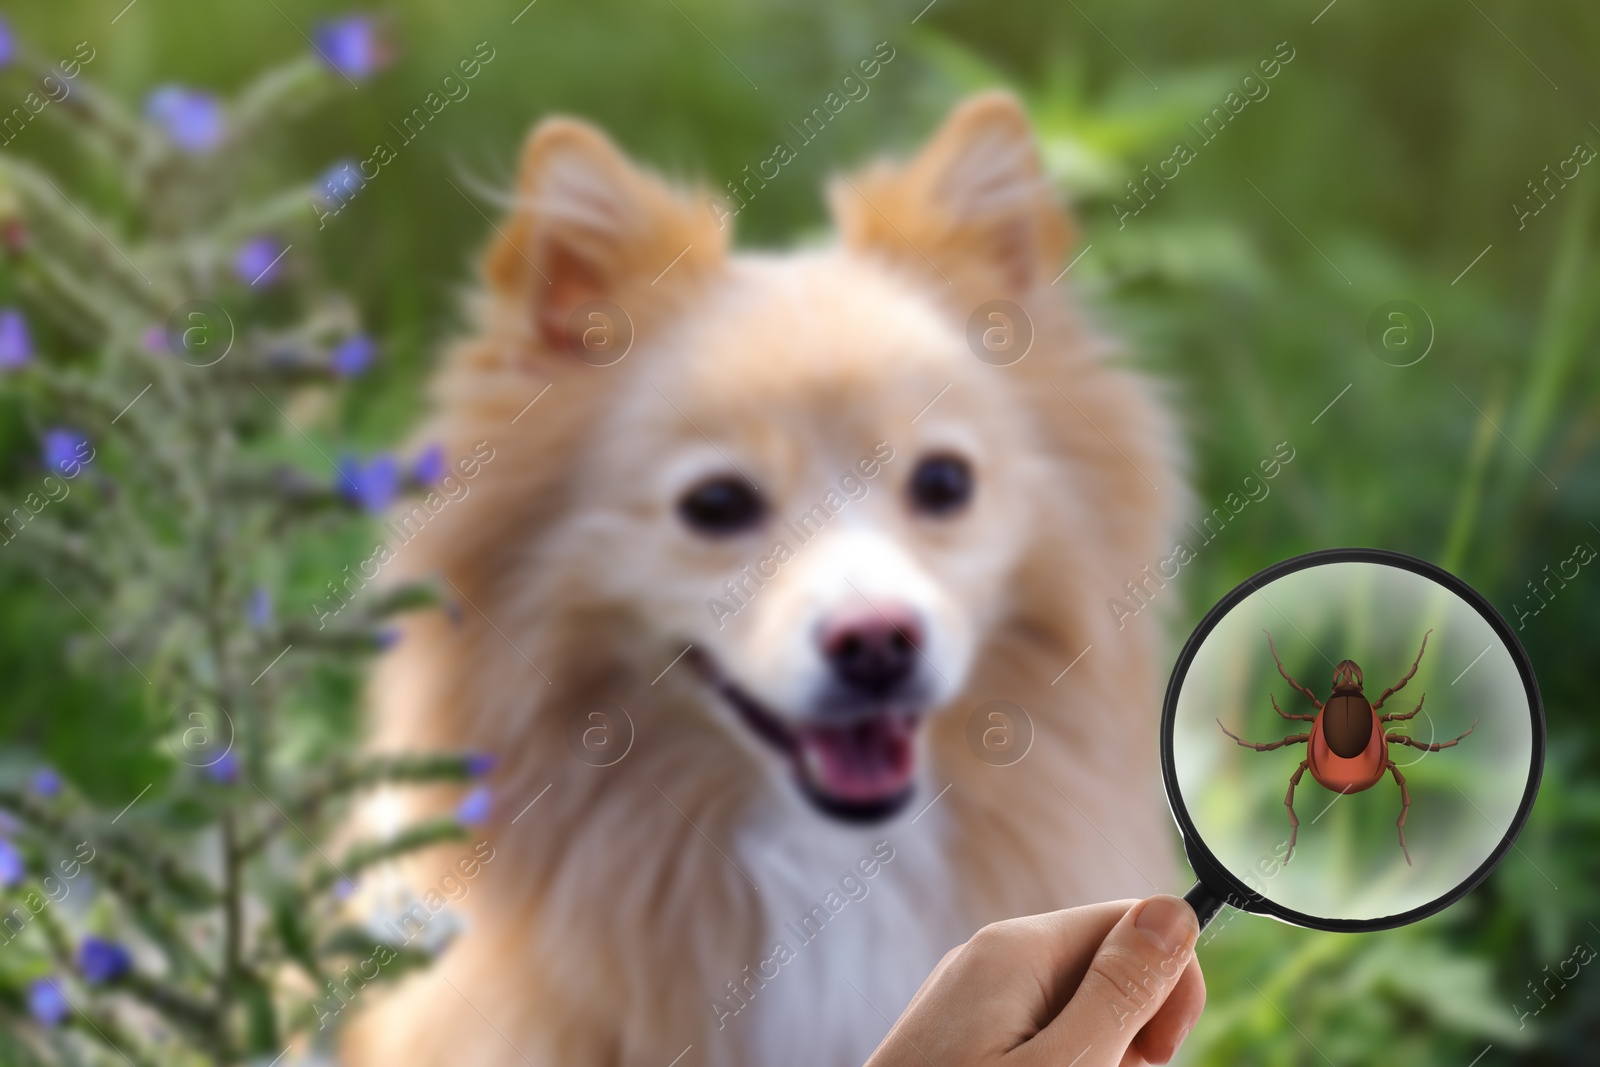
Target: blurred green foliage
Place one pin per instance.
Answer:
(214, 929)
(1386, 158)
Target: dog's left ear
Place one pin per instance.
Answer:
(589, 225)
(974, 205)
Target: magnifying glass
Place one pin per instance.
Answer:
(1352, 740)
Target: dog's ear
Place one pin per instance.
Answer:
(589, 225)
(973, 204)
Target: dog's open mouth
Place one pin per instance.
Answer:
(860, 769)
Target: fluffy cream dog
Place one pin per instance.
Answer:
(753, 851)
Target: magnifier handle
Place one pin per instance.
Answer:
(1205, 903)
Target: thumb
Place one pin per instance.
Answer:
(1130, 977)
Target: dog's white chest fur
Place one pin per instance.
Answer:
(841, 954)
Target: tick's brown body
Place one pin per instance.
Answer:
(1348, 750)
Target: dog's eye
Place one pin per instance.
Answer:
(941, 484)
(721, 506)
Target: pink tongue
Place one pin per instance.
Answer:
(868, 760)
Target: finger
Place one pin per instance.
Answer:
(1128, 979)
(1023, 969)
(1158, 1042)
(1063, 943)
(933, 981)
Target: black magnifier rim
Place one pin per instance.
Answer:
(1222, 881)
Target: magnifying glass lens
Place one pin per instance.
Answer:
(1352, 740)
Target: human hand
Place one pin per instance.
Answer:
(1107, 985)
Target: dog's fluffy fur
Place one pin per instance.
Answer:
(621, 906)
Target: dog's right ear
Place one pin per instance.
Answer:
(589, 225)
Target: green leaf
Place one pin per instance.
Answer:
(261, 1019)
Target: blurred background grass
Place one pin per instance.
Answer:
(1386, 157)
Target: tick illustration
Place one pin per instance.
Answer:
(1348, 750)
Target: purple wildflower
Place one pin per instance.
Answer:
(12, 866)
(16, 342)
(480, 764)
(46, 1003)
(191, 118)
(429, 468)
(340, 184)
(352, 46)
(66, 451)
(225, 771)
(386, 638)
(103, 961)
(344, 889)
(8, 44)
(46, 782)
(353, 355)
(474, 807)
(260, 610)
(373, 485)
(258, 261)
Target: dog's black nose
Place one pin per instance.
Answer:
(873, 650)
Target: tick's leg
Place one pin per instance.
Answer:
(1405, 806)
(1401, 684)
(1288, 802)
(1406, 715)
(1309, 694)
(1285, 715)
(1398, 739)
(1292, 739)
